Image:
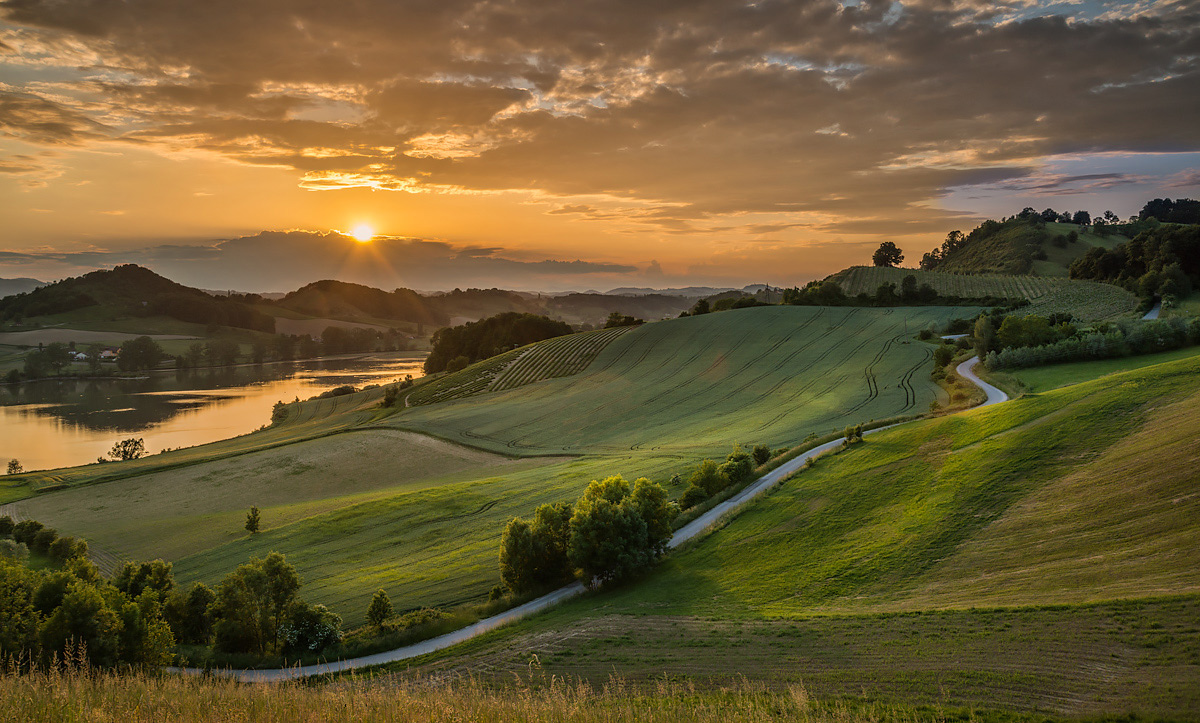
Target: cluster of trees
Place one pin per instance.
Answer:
(1180, 210)
(616, 319)
(489, 337)
(17, 539)
(138, 616)
(910, 293)
(1164, 261)
(1110, 340)
(998, 330)
(611, 533)
(710, 478)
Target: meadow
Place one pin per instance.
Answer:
(1039, 554)
(770, 375)
(1086, 300)
(369, 501)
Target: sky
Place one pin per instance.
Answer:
(570, 145)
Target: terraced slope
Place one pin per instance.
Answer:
(1087, 300)
(768, 374)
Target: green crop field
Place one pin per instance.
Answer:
(772, 375)
(1087, 300)
(1043, 553)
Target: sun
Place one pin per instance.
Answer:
(363, 233)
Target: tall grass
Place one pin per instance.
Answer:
(72, 692)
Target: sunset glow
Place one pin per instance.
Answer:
(363, 233)
(752, 143)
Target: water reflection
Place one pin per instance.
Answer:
(60, 423)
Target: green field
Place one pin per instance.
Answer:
(771, 374)
(356, 510)
(1044, 553)
(1087, 300)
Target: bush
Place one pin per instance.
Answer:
(692, 496)
(380, 609)
(761, 453)
(13, 550)
(616, 531)
(309, 628)
(42, 541)
(68, 548)
(6, 526)
(25, 530)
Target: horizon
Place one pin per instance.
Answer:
(710, 145)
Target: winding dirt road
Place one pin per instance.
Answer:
(682, 535)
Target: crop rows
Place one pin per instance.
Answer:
(1087, 300)
(473, 380)
(558, 357)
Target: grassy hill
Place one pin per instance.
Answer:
(768, 374)
(1087, 300)
(357, 510)
(1040, 554)
(1022, 245)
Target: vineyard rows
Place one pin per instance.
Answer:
(558, 357)
(1087, 300)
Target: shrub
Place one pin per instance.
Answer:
(25, 530)
(309, 628)
(42, 541)
(6, 526)
(761, 453)
(67, 548)
(13, 550)
(692, 496)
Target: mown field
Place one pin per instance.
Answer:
(1087, 300)
(1039, 554)
(772, 375)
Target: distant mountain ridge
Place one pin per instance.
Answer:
(22, 285)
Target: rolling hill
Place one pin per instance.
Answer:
(9, 287)
(1085, 300)
(768, 374)
(1038, 555)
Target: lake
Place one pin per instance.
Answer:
(63, 423)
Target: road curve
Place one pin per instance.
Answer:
(682, 535)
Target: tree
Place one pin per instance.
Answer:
(222, 352)
(309, 628)
(251, 604)
(380, 609)
(700, 307)
(518, 556)
(888, 254)
(188, 614)
(616, 530)
(94, 359)
(985, 335)
(84, 618)
(25, 530)
(1083, 218)
(6, 526)
(194, 354)
(140, 353)
(908, 289)
(19, 633)
(707, 477)
(252, 520)
(761, 454)
(67, 548)
(14, 467)
(127, 449)
(134, 578)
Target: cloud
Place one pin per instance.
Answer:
(285, 260)
(691, 113)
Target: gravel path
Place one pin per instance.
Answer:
(685, 533)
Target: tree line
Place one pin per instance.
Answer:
(1163, 261)
(455, 347)
(140, 614)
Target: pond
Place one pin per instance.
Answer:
(63, 423)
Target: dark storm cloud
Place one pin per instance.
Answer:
(706, 108)
(284, 260)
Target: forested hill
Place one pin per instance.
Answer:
(132, 290)
(1048, 242)
(341, 299)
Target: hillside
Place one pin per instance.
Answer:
(1037, 555)
(1082, 299)
(339, 299)
(767, 374)
(1026, 244)
(352, 517)
(132, 291)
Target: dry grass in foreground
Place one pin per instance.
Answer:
(79, 694)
